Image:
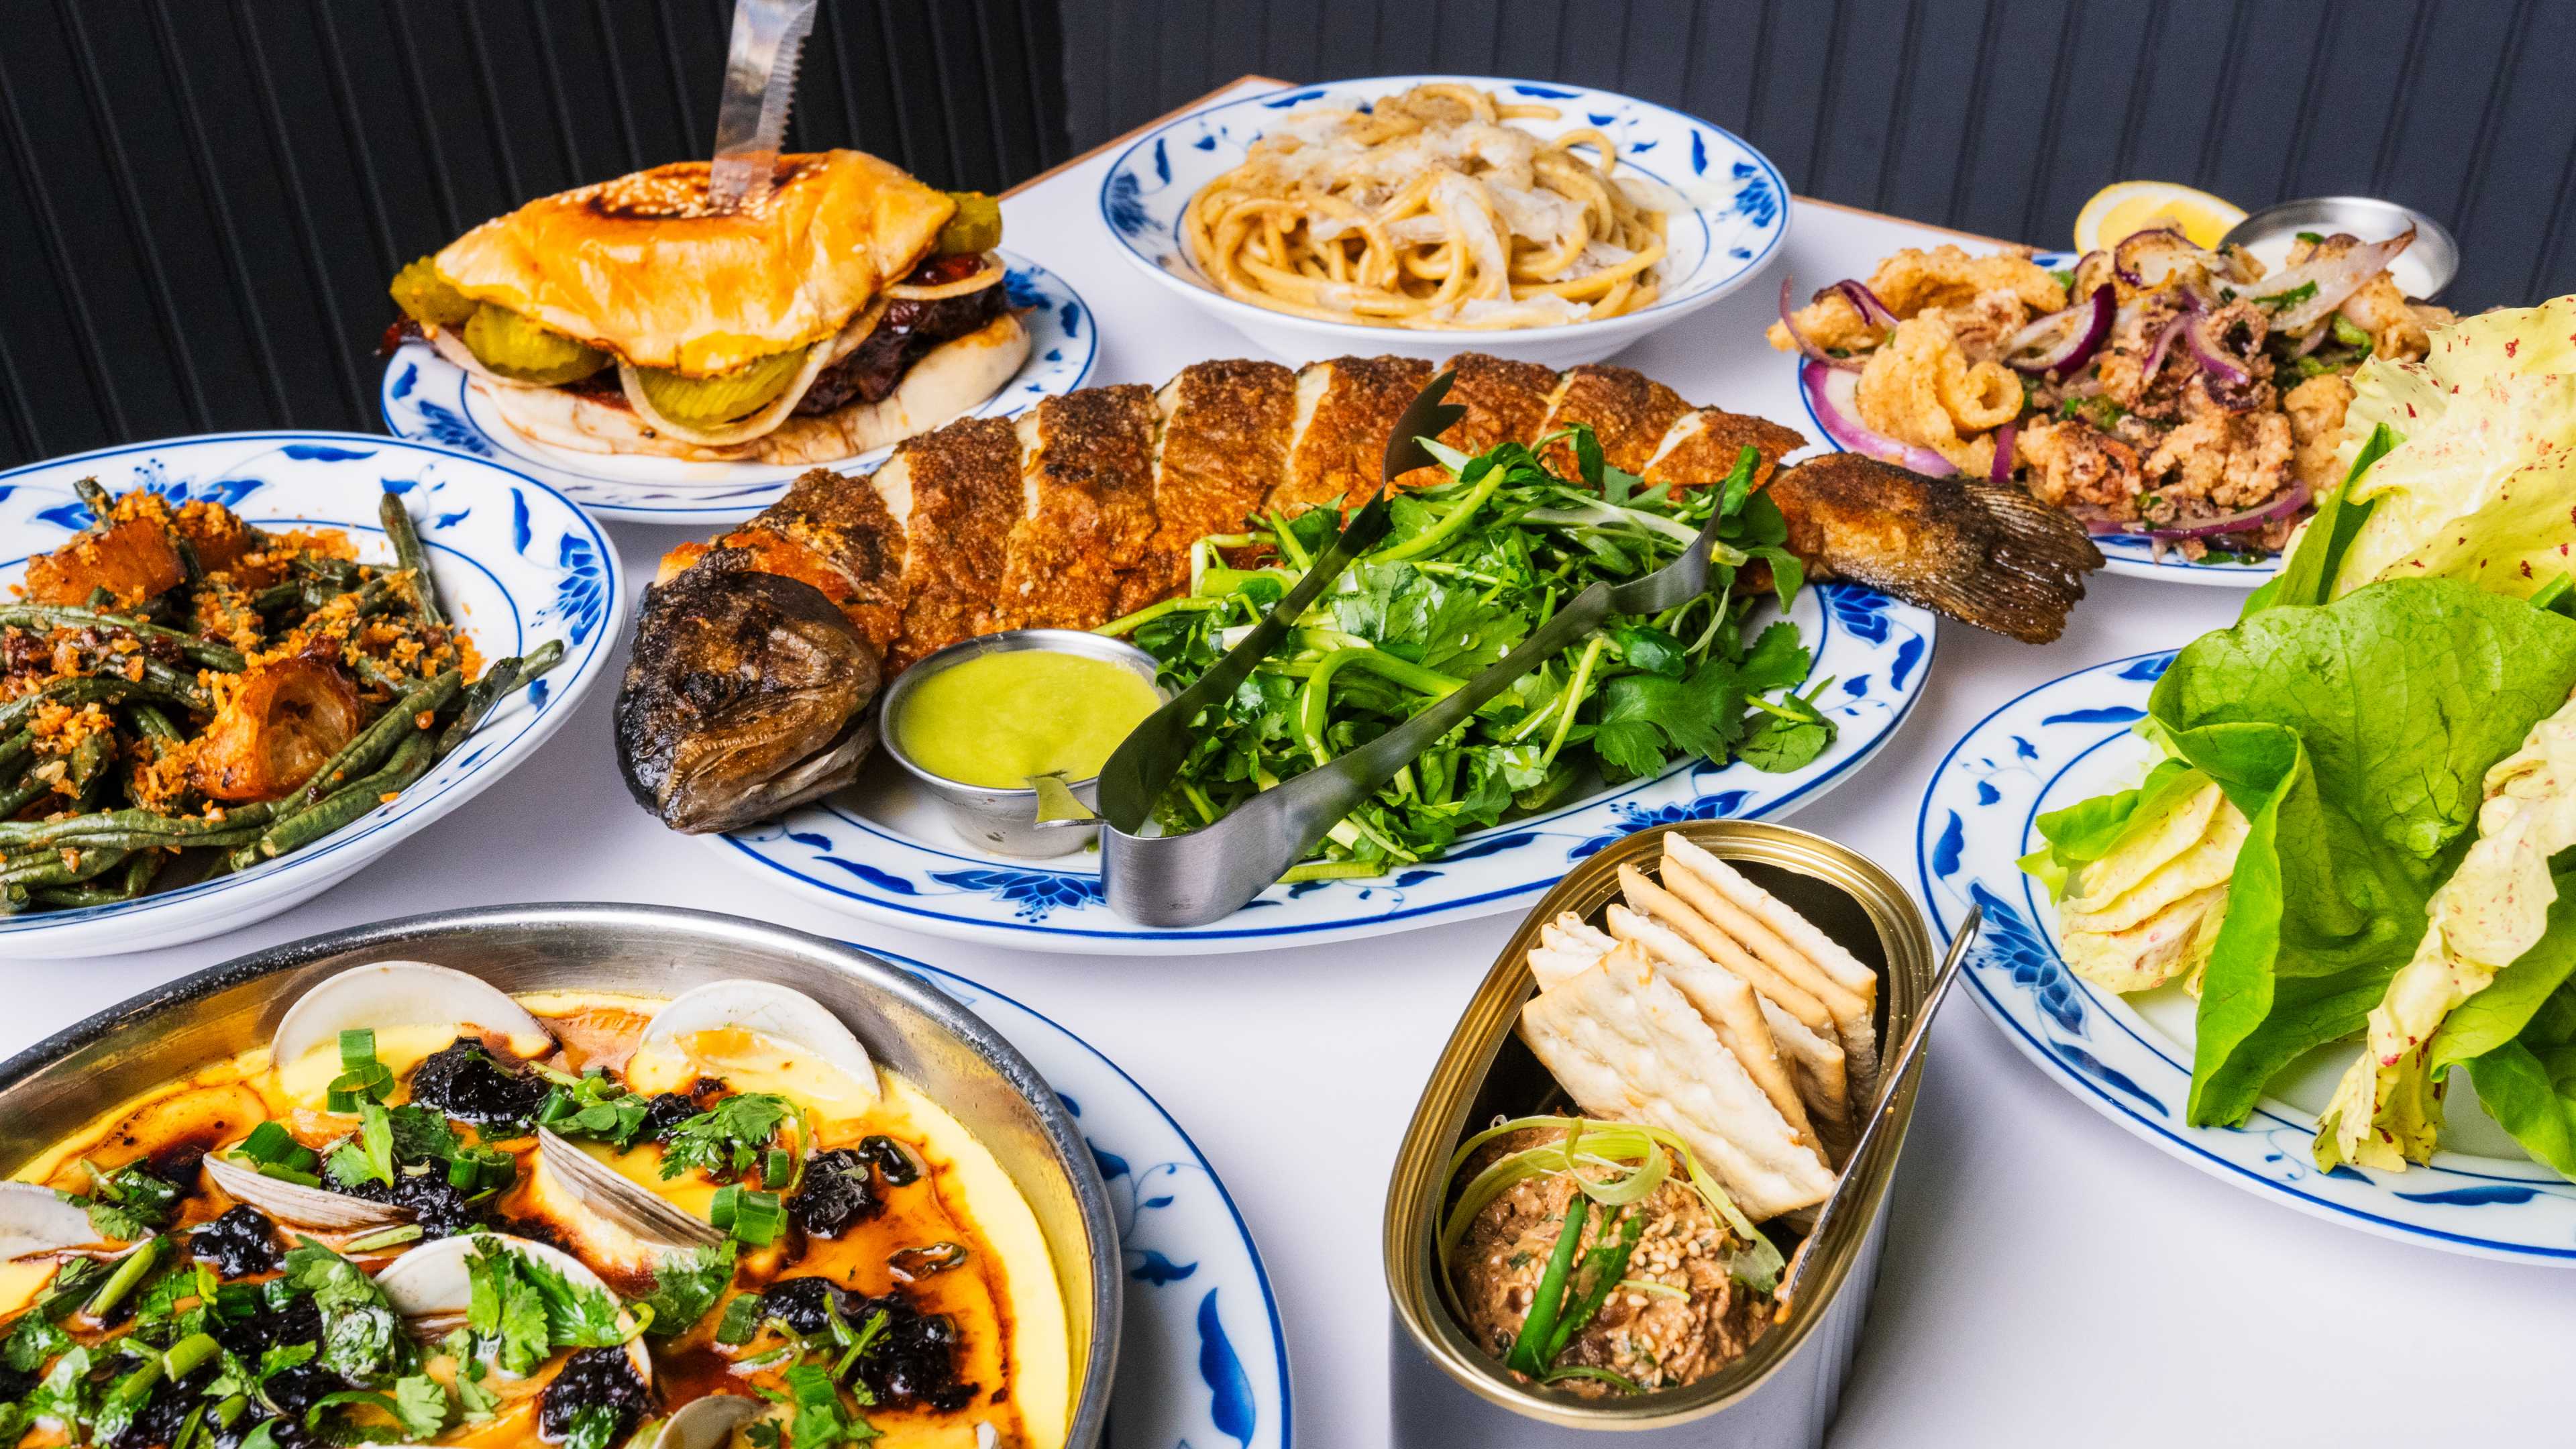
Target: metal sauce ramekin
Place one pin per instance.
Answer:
(1006, 821)
(62, 1083)
(1447, 1390)
(2366, 217)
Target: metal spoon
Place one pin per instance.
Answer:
(1917, 1032)
(1208, 874)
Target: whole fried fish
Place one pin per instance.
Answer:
(748, 693)
(1986, 553)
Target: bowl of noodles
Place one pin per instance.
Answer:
(1428, 215)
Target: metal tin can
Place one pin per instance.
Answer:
(1447, 1390)
(62, 1083)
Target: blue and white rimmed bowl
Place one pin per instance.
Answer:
(2129, 1058)
(516, 564)
(2132, 554)
(1738, 216)
(885, 851)
(429, 399)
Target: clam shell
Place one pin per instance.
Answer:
(34, 1220)
(771, 1010)
(402, 993)
(625, 1209)
(430, 1285)
(707, 1423)
(296, 1205)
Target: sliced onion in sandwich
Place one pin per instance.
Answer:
(990, 276)
(742, 430)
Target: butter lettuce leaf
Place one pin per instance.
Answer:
(2482, 486)
(2355, 737)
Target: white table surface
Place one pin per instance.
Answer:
(2048, 1280)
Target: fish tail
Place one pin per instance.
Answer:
(2032, 571)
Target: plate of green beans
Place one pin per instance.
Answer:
(236, 668)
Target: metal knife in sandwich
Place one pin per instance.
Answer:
(759, 86)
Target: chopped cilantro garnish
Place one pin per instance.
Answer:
(521, 1309)
(361, 1339)
(686, 1285)
(594, 1107)
(129, 1202)
(727, 1138)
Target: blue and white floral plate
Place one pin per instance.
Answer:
(886, 853)
(1202, 1356)
(2122, 553)
(516, 563)
(429, 399)
(1738, 215)
(2130, 1058)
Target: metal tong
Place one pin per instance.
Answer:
(1209, 873)
(1891, 1081)
(759, 83)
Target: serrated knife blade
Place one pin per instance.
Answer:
(759, 85)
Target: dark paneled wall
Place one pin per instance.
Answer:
(1994, 116)
(201, 200)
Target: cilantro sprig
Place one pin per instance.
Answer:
(728, 1139)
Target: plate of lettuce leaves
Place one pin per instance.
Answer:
(2297, 901)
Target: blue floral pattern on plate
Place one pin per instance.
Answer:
(516, 562)
(1738, 203)
(1205, 1358)
(2122, 553)
(426, 398)
(882, 856)
(2066, 741)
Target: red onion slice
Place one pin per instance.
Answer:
(2213, 359)
(1832, 396)
(2061, 342)
(2337, 278)
(1806, 344)
(2288, 503)
(2156, 354)
(1864, 301)
(2001, 471)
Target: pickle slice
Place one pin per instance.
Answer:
(977, 226)
(705, 402)
(517, 348)
(426, 298)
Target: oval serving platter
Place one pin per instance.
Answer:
(2131, 554)
(2130, 1058)
(515, 562)
(425, 397)
(1739, 215)
(1203, 1356)
(884, 853)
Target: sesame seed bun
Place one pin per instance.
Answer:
(645, 267)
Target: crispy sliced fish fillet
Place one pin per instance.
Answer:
(1702, 447)
(1629, 412)
(1345, 409)
(1506, 401)
(1988, 554)
(1223, 446)
(1087, 472)
(959, 493)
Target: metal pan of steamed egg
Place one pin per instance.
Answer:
(889, 1085)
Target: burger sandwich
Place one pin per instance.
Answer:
(849, 309)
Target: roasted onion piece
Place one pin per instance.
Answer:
(285, 719)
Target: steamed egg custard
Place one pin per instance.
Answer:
(429, 1212)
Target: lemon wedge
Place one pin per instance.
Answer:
(2125, 208)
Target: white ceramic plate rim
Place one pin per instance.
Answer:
(2127, 554)
(975, 996)
(1687, 791)
(318, 865)
(643, 501)
(2483, 1206)
(1705, 283)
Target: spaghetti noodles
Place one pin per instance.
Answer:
(1428, 211)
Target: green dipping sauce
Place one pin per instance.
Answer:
(996, 719)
